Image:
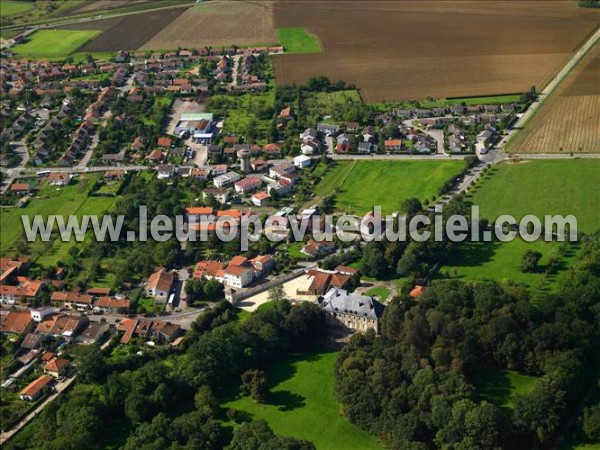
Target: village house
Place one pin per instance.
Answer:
(159, 285)
(302, 161)
(354, 311)
(26, 289)
(62, 325)
(226, 180)
(92, 333)
(56, 367)
(59, 178)
(321, 281)
(314, 248)
(247, 185)
(221, 195)
(20, 188)
(72, 300)
(208, 270)
(34, 389)
(111, 305)
(15, 322)
(260, 198)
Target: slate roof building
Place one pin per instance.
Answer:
(354, 311)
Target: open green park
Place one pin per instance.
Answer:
(50, 200)
(302, 403)
(359, 185)
(12, 8)
(54, 43)
(298, 40)
(542, 188)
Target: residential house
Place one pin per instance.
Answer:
(34, 389)
(59, 178)
(112, 305)
(15, 322)
(226, 180)
(247, 185)
(72, 300)
(221, 195)
(314, 248)
(302, 161)
(56, 367)
(62, 325)
(159, 285)
(261, 198)
(92, 333)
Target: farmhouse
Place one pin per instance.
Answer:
(92, 333)
(353, 311)
(314, 248)
(15, 322)
(62, 325)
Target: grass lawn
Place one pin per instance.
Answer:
(542, 188)
(12, 8)
(293, 250)
(245, 114)
(500, 261)
(72, 199)
(501, 386)
(303, 405)
(380, 291)
(360, 185)
(298, 40)
(490, 100)
(54, 43)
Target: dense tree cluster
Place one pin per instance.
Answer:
(414, 384)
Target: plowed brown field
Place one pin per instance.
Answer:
(569, 120)
(219, 23)
(415, 49)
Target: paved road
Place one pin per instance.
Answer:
(60, 387)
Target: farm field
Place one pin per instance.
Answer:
(54, 43)
(303, 405)
(298, 40)
(501, 386)
(568, 120)
(127, 32)
(500, 261)
(219, 23)
(542, 188)
(12, 8)
(359, 185)
(388, 55)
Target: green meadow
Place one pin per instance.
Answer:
(12, 8)
(298, 40)
(359, 185)
(54, 43)
(302, 404)
(542, 188)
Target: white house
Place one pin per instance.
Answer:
(238, 276)
(302, 161)
(159, 285)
